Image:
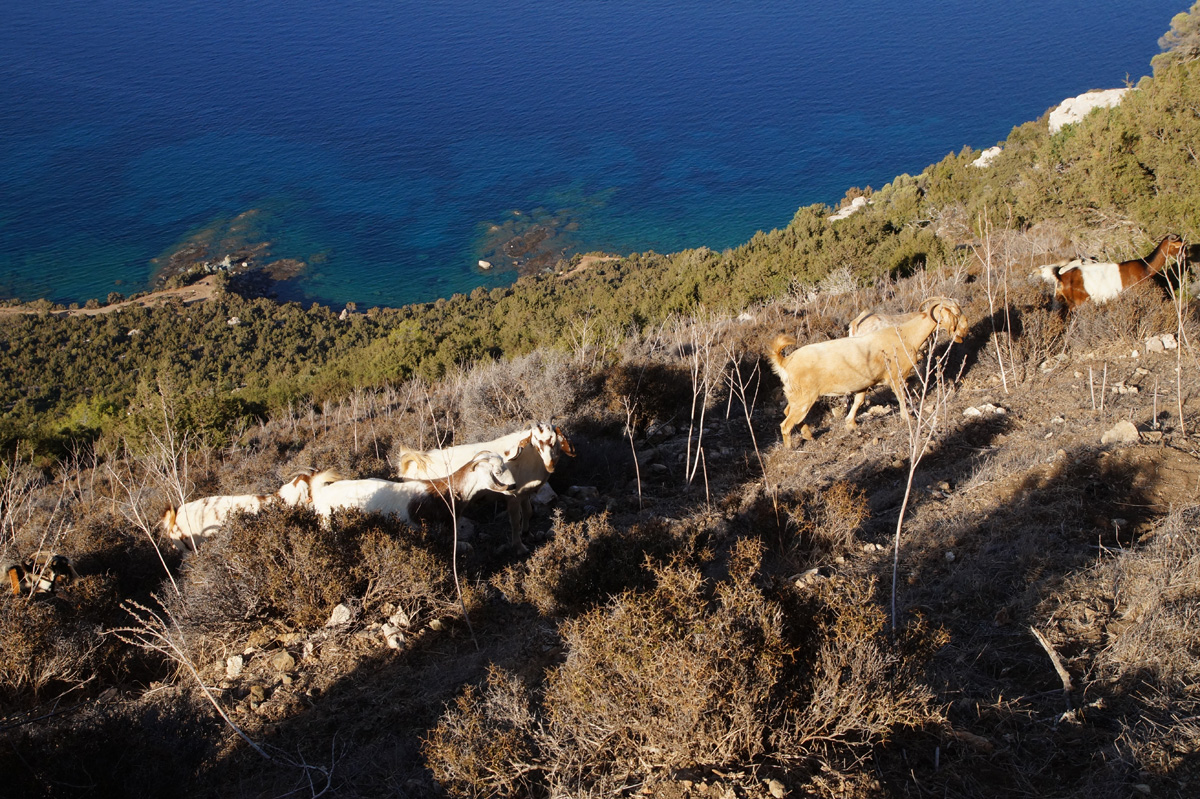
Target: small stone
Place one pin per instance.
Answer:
(233, 666)
(544, 495)
(341, 616)
(807, 578)
(1168, 341)
(1058, 420)
(1142, 788)
(1152, 436)
(283, 661)
(1154, 344)
(950, 556)
(260, 638)
(657, 433)
(776, 788)
(584, 492)
(1140, 372)
(393, 636)
(1122, 433)
(436, 625)
(972, 412)
(258, 694)
(286, 679)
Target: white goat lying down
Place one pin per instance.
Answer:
(193, 523)
(532, 455)
(410, 500)
(855, 365)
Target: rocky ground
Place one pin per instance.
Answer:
(1047, 535)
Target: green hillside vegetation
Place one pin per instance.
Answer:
(1108, 187)
(989, 598)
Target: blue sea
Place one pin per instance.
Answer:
(390, 145)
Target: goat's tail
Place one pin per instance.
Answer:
(414, 462)
(775, 354)
(324, 478)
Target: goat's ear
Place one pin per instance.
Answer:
(515, 449)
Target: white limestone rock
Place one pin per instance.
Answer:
(1074, 109)
(987, 156)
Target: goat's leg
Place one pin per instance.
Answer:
(900, 389)
(851, 423)
(515, 512)
(796, 412)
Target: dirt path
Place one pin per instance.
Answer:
(201, 290)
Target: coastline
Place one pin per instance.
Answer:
(203, 289)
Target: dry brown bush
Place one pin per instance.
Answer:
(588, 562)
(859, 687)
(692, 673)
(55, 642)
(485, 746)
(540, 386)
(283, 565)
(824, 524)
(1155, 641)
(657, 391)
(1124, 323)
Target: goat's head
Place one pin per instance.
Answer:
(488, 471)
(563, 442)
(1172, 246)
(949, 317)
(298, 490)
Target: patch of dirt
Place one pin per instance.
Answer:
(203, 289)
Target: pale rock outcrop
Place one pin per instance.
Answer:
(856, 205)
(987, 156)
(1074, 109)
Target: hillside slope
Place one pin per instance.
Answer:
(1009, 611)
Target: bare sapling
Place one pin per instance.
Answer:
(637, 468)
(928, 408)
(452, 504)
(700, 336)
(18, 479)
(986, 255)
(740, 385)
(1178, 289)
(164, 468)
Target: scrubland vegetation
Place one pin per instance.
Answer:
(1008, 610)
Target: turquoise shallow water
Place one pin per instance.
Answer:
(390, 145)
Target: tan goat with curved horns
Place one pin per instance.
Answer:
(855, 365)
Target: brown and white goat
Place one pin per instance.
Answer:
(43, 573)
(1079, 280)
(532, 455)
(409, 500)
(855, 365)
